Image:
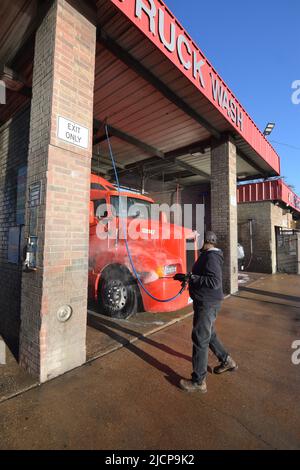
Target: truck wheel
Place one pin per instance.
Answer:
(118, 295)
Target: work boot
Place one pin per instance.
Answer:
(228, 366)
(190, 386)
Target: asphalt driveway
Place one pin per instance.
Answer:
(129, 399)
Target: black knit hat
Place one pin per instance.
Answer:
(210, 237)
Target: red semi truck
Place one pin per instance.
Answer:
(156, 258)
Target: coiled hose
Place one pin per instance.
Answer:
(139, 280)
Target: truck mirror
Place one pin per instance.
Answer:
(92, 213)
(163, 218)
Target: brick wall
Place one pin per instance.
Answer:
(266, 216)
(63, 85)
(14, 137)
(224, 209)
(279, 218)
(199, 194)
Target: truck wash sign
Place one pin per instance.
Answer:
(73, 133)
(167, 34)
(160, 26)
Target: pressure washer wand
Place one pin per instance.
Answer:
(186, 279)
(183, 278)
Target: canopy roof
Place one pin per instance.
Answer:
(163, 100)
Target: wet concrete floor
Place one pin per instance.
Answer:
(13, 379)
(130, 399)
(105, 335)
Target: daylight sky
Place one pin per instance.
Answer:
(255, 47)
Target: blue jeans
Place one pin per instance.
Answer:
(204, 337)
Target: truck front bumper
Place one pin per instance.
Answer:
(164, 289)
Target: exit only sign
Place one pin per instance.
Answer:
(73, 133)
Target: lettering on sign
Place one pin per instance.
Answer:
(35, 194)
(222, 97)
(73, 133)
(172, 39)
(165, 32)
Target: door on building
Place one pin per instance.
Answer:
(287, 250)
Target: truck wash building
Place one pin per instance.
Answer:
(268, 227)
(68, 67)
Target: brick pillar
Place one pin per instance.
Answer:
(63, 85)
(224, 208)
(298, 253)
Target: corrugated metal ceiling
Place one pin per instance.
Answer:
(16, 17)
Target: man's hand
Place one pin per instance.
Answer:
(184, 278)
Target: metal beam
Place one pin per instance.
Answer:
(176, 175)
(113, 131)
(14, 81)
(157, 170)
(256, 167)
(43, 7)
(99, 139)
(86, 7)
(188, 169)
(192, 169)
(195, 147)
(101, 160)
(134, 64)
(241, 154)
(249, 178)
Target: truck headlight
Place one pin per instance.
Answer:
(169, 270)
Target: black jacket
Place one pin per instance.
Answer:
(207, 283)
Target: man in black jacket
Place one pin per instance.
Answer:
(206, 290)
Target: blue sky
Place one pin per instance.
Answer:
(255, 47)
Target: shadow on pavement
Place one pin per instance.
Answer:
(170, 375)
(276, 295)
(105, 325)
(255, 299)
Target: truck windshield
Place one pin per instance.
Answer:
(131, 207)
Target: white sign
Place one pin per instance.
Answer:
(73, 133)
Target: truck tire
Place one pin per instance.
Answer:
(118, 294)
